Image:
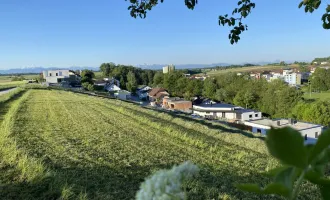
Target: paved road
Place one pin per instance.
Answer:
(6, 91)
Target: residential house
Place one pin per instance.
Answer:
(276, 75)
(287, 71)
(225, 111)
(101, 83)
(255, 75)
(308, 130)
(61, 76)
(292, 78)
(324, 63)
(123, 94)
(266, 76)
(112, 88)
(176, 103)
(312, 69)
(142, 92)
(202, 78)
(112, 85)
(157, 94)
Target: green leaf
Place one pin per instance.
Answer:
(287, 145)
(275, 171)
(317, 178)
(286, 177)
(249, 188)
(322, 143)
(325, 192)
(276, 188)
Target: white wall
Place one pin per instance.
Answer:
(246, 116)
(311, 132)
(212, 108)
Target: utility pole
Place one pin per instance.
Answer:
(310, 89)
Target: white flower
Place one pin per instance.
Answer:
(166, 184)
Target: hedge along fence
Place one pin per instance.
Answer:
(28, 169)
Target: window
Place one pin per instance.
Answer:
(306, 137)
(56, 74)
(316, 134)
(250, 116)
(207, 112)
(50, 74)
(258, 130)
(256, 115)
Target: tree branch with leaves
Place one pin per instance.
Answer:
(139, 8)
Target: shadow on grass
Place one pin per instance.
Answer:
(5, 105)
(102, 182)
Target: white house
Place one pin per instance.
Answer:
(122, 94)
(309, 131)
(225, 111)
(142, 91)
(324, 63)
(59, 76)
(267, 76)
(112, 88)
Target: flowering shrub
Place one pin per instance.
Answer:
(166, 184)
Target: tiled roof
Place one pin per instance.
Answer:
(155, 91)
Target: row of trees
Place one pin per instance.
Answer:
(130, 77)
(320, 80)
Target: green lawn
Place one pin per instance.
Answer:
(320, 96)
(61, 145)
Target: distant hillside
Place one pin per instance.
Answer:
(319, 60)
(36, 70)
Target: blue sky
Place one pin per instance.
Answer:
(62, 33)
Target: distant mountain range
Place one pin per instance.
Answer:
(143, 66)
(196, 66)
(36, 70)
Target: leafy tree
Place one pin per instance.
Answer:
(158, 79)
(320, 79)
(209, 88)
(139, 8)
(131, 84)
(106, 68)
(180, 86)
(122, 82)
(245, 98)
(303, 68)
(88, 73)
(221, 94)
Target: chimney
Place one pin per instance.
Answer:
(278, 123)
(289, 121)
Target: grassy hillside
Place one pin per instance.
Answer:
(5, 79)
(250, 69)
(56, 144)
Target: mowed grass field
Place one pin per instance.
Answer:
(250, 69)
(319, 96)
(7, 79)
(61, 145)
